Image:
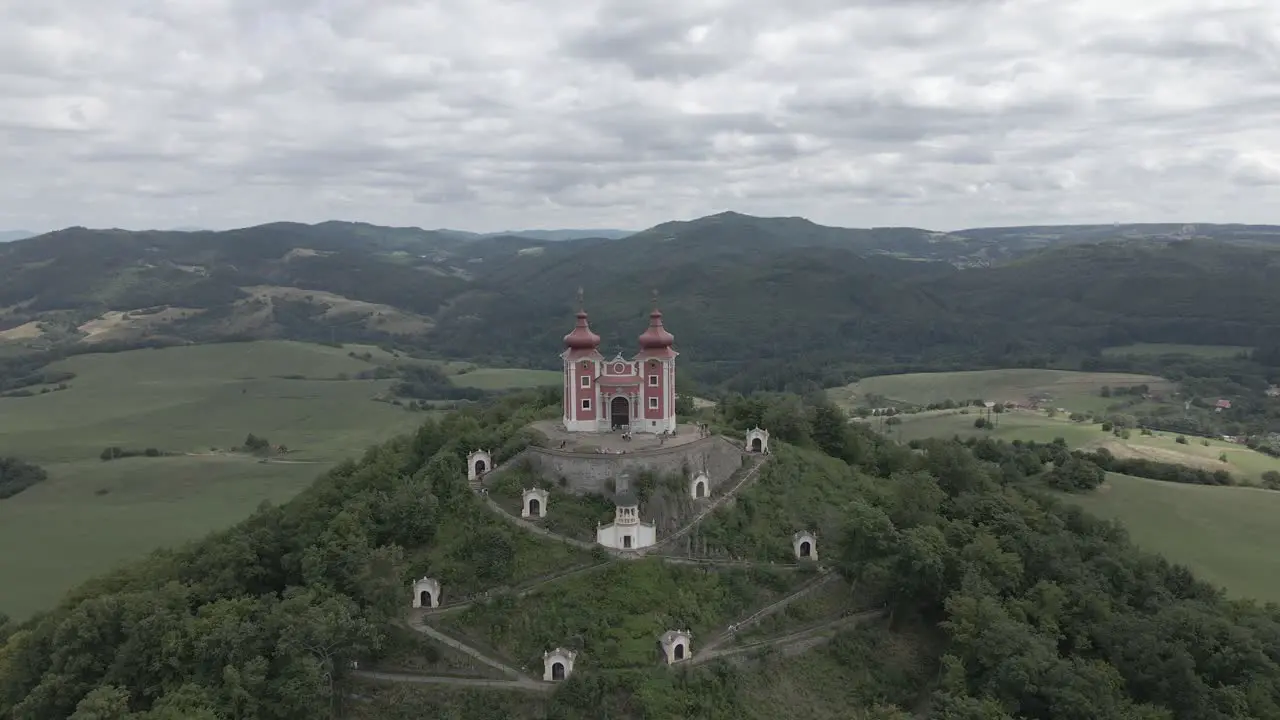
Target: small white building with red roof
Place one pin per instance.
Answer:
(636, 394)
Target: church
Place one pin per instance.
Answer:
(636, 394)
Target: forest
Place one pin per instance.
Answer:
(1041, 611)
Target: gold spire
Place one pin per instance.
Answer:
(581, 306)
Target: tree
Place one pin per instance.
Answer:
(1271, 480)
(1075, 474)
(255, 444)
(104, 703)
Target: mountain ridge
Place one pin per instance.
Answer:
(744, 295)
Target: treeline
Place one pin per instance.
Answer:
(24, 371)
(16, 476)
(426, 382)
(1047, 612)
(1155, 470)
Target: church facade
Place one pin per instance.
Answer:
(636, 394)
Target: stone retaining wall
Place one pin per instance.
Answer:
(586, 473)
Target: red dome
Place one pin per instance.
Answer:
(656, 337)
(582, 338)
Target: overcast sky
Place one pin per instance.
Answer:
(489, 115)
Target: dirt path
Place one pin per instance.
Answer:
(527, 685)
(714, 562)
(438, 636)
(533, 527)
(519, 591)
(800, 640)
(730, 632)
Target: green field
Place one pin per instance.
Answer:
(503, 378)
(1158, 349)
(1244, 464)
(1075, 391)
(91, 515)
(1225, 535)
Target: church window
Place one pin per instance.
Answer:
(586, 403)
(586, 381)
(653, 381)
(653, 403)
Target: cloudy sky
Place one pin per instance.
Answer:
(495, 114)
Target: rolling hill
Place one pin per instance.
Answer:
(754, 301)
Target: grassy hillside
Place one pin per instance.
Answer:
(616, 615)
(198, 403)
(1075, 391)
(1145, 350)
(1226, 535)
(1244, 464)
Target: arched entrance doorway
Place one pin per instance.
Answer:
(424, 599)
(679, 653)
(557, 671)
(700, 490)
(756, 445)
(805, 549)
(534, 507)
(619, 411)
(480, 467)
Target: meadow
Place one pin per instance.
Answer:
(1074, 391)
(504, 378)
(1206, 352)
(195, 402)
(1244, 464)
(1224, 534)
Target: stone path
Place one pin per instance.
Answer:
(524, 685)
(799, 640)
(438, 636)
(726, 562)
(730, 632)
(520, 590)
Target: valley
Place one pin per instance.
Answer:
(194, 406)
(292, 416)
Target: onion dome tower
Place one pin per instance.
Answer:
(657, 365)
(581, 337)
(582, 368)
(656, 341)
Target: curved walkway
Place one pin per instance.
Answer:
(742, 482)
(536, 528)
(521, 681)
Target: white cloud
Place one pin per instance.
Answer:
(488, 114)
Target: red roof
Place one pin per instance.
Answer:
(582, 338)
(1224, 404)
(656, 337)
